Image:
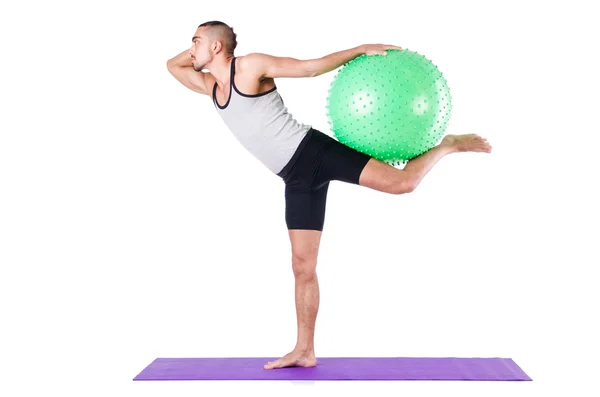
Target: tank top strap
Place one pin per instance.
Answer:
(231, 84)
(232, 70)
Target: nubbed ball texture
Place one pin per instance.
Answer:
(392, 107)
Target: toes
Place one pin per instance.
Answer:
(273, 364)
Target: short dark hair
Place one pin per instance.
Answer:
(225, 32)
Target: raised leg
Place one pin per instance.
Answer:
(385, 178)
(305, 249)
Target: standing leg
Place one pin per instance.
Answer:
(305, 249)
(305, 218)
(383, 177)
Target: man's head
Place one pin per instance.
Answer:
(212, 39)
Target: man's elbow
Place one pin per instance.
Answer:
(315, 71)
(311, 68)
(172, 67)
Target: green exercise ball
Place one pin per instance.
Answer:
(392, 107)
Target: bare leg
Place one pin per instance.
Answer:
(305, 248)
(305, 243)
(383, 177)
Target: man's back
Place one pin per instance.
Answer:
(255, 113)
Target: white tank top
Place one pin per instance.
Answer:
(262, 124)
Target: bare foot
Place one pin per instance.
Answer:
(467, 143)
(294, 359)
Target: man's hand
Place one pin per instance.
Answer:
(378, 49)
(181, 67)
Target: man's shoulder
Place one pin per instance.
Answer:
(253, 63)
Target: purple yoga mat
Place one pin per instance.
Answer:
(338, 368)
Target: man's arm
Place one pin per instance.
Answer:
(181, 68)
(274, 67)
(269, 66)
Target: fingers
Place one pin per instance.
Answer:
(380, 49)
(390, 47)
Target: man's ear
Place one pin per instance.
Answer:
(217, 46)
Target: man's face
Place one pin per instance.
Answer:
(200, 50)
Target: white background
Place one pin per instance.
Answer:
(134, 226)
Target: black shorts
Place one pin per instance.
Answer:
(318, 160)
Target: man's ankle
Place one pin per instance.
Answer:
(304, 348)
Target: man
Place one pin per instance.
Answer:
(244, 93)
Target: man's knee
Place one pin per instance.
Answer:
(304, 266)
(405, 184)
